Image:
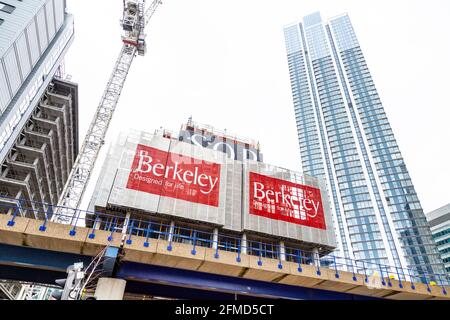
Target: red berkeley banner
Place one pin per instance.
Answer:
(287, 201)
(175, 176)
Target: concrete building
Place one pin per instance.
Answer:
(37, 165)
(439, 221)
(38, 112)
(346, 139)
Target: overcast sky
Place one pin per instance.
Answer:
(224, 63)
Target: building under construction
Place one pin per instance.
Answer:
(190, 213)
(228, 210)
(182, 189)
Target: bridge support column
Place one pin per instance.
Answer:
(110, 289)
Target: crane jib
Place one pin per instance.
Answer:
(133, 24)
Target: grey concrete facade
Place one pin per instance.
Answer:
(39, 163)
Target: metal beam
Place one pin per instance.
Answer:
(178, 278)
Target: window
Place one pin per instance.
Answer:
(6, 7)
(1, 21)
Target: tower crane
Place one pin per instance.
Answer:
(135, 19)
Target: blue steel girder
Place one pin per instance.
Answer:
(178, 278)
(35, 265)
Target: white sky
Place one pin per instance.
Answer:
(224, 63)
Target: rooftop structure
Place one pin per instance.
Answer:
(235, 146)
(246, 200)
(37, 166)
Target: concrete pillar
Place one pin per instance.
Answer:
(110, 261)
(215, 238)
(110, 289)
(282, 251)
(171, 230)
(316, 256)
(244, 244)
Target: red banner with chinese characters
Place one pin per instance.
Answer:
(174, 175)
(287, 201)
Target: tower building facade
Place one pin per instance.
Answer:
(38, 109)
(345, 138)
(38, 114)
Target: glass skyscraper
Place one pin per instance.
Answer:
(346, 139)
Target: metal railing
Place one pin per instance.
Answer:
(153, 230)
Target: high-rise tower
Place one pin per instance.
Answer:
(38, 114)
(345, 138)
